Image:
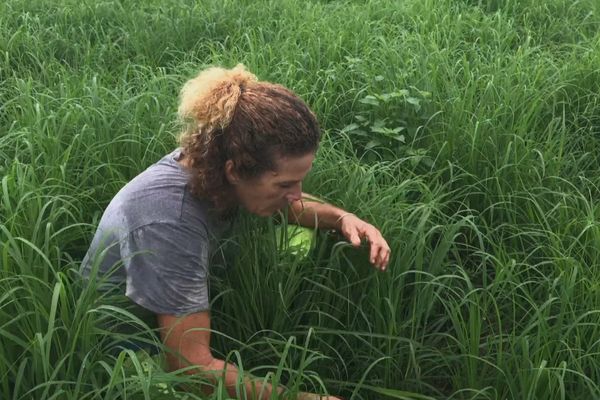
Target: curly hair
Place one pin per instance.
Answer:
(232, 116)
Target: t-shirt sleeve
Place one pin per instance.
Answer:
(167, 268)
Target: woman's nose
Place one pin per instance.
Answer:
(295, 194)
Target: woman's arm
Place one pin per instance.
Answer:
(188, 338)
(314, 213)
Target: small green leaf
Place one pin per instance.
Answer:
(414, 101)
(400, 93)
(369, 100)
(385, 131)
(359, 132)
(380, 129)
(372, 143)
(349, 128)
(379, 123)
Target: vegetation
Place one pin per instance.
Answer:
(468, 131)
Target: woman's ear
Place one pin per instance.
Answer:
(230, 172)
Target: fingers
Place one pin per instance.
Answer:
(379, 254)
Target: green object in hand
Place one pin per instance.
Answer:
(296, 240)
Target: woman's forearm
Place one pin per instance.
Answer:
(315, 213)
(254, 386)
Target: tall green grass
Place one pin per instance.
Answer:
(468, 131)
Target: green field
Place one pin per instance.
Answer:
(467, 131)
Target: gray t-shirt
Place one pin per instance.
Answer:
(155, 237)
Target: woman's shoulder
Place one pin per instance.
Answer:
(160, 194)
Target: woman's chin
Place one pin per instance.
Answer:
(265, 212)
(270, 212)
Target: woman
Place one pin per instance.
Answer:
(247, 144)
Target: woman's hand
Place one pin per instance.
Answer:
(355, 230)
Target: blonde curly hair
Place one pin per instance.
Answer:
(230, 115)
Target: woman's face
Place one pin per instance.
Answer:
(273, 190)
